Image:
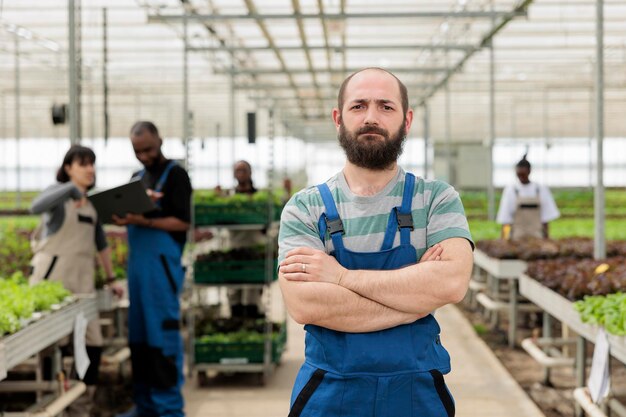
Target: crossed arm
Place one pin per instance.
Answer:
(331, 296)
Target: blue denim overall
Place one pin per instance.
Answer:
(155, 279)
(396, 372)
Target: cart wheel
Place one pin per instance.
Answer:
(203, 379)
(262, 379)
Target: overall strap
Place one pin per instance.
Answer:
(401, 218)
(163, 178)
(329, 220)
(405, 217)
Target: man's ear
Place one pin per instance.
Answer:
(408, 120)
(337, 118)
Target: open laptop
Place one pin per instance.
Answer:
(127, 198)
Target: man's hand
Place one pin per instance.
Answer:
(116, 289)
(432, 254)
(130, 218)
(154, 195)
(306, 264)
(422, 287)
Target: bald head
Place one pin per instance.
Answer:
(146, 142)
(402, 91)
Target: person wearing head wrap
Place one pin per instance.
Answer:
(526, 207)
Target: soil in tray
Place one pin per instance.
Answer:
(556, 400)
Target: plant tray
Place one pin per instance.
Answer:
(244, 213)
(238, 353)
(231, 272)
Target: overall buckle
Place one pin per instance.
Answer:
(334, 226)
(404, 219)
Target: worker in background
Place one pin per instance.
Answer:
(242, 171)
(245, 303)
(65, 244)
(365, 258)
(155, 278)
(526, 207)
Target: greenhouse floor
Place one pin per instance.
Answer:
(480, 384)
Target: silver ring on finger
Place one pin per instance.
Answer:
(304, 268)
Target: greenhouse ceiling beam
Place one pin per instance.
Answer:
(243, 61)
(29, 35)
(270, 41)
(282, 99)
(344, 56)
(301, 98)
(274, 87)
(305, 46)
(159, 18)
(320, 6)
(425, 46)
(279, 71)
(486, 40)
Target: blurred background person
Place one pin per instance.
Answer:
(526, 207)
(65, 244)
(245, 303)
(155, 278)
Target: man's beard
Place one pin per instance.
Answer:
(154, 163)
(371, 152)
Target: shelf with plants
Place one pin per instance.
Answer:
(532, 249)
(235, 342)
(241, 347)
(232, 267)
(562, 302)
(213, 209)
(586, 296)
(504, 259)
(35, 317)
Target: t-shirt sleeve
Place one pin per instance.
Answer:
(54, 196)
(507, 206)
(549, 210)
(101, 240)
(179, 198)
(446, 216)
(297, 227)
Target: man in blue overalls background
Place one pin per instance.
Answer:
(365, 259)
(155, 279)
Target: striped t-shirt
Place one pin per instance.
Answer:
(436, 208)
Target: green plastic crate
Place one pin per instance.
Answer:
(231, 272)
(278, 209)
(244, 213)
(239, 353)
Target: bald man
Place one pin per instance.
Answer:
(365, 259)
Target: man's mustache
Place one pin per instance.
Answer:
(372, 129)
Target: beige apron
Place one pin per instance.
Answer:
(527, 218)
(68, 256)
